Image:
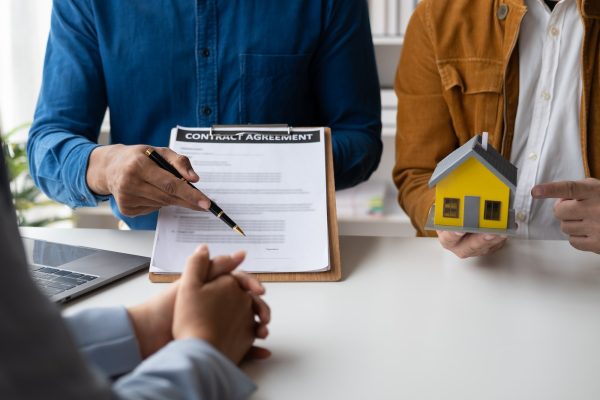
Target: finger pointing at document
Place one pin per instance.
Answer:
(577, 208)
(137, 184)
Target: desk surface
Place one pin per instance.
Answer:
(411, 321)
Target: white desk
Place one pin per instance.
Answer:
(411, 321)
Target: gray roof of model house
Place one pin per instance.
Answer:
(489, 157)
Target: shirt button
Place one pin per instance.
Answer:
(205, 52)
(521, 216)
(206, 110)
(545, 95)
(532, 156)
(554, 31)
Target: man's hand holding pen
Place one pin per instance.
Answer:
(213, 207)
(138, 185)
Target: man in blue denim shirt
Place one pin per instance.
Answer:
(159, 64)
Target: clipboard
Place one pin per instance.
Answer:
(335, 268)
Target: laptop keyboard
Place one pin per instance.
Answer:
(54, 280)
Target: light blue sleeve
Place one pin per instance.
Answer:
(106, 338)
(185, 369)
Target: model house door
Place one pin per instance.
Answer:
(471, 212)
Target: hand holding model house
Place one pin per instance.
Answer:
(474, 188)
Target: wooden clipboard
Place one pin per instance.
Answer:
(335, 271)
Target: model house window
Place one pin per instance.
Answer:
(492, 210)
(451, 208)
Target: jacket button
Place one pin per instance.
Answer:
(502, 12)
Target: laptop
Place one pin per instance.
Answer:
(65, 272)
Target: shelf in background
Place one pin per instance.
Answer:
(393, 221)
(388, 131)
(388, 40)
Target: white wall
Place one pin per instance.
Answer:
(24, 26)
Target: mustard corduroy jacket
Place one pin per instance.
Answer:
(459, 76)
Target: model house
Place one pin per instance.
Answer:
(474, 186)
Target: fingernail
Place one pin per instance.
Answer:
(489, 237)
(537, 191)
(192, 174)
(239, 254)
(459, 233)
(204, 204)
(201, 249)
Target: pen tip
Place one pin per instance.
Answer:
(239, 230)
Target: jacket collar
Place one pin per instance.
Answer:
(590, 8)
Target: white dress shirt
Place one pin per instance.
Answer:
(546, 145)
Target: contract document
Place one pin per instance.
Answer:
(270, 181)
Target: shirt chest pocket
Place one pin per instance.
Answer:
(275, 89)
(473, 90)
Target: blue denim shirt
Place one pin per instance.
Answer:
(156, 64)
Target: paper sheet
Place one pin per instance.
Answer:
(272, 184)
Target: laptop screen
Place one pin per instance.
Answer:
(53, 254)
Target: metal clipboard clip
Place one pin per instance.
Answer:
(217, 127)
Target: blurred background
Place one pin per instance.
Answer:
(24, 27)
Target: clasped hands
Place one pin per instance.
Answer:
(577, 207)
(211, 302)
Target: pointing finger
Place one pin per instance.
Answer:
(563, 190)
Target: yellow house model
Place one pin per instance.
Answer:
(474, 186)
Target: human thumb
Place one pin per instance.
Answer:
(197, 267)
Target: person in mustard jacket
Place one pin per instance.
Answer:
(527, 72)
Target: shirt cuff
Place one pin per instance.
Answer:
(240, 385)
(79, 161)
(189, 368)
(62, 164)
(106, 338)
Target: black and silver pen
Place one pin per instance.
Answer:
(214, 208)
